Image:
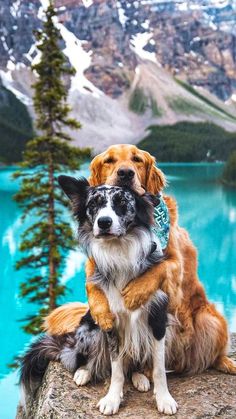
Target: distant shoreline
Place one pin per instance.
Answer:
(161, 163)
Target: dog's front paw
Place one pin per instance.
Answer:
(133, 299)
(140, 381)
(109, 405)
(82, 376)
(105, 320)
(166, 404)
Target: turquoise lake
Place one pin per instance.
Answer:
(207, 210)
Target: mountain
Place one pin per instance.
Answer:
(138, 62)
(15, 127)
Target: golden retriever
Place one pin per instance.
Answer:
(199, 338)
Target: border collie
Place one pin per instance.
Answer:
(115, 230)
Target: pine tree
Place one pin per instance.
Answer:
(46, 241)
(229, 173)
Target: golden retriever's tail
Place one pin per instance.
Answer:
(64, 319)
(225, 364)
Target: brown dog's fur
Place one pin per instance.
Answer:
(199, 339)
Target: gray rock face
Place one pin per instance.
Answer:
(209, 395)
(18, 21)
(197, 43)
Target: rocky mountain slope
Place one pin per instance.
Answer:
(131, 57)
(15, 126)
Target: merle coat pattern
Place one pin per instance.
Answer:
(114, 228)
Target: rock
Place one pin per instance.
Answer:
(208, 395)
(198, 43)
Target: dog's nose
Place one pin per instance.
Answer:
(125, 174)
(104, 223)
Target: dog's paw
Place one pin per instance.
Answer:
(166, 404)
(104, 320)
(132, 302)
(109, 405)
(134, 298)
(140, 382)
(82, 376)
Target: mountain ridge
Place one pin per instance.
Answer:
(124, 50)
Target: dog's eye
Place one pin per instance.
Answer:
(119, 204)
(123, 202)
(109, 160)
(96, 201)
(119, 200)
(91, 203)
(137, 159)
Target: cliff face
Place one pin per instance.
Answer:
(196, 42)
(208, 395)
(188, 41)
(127, 56)
(18, 20)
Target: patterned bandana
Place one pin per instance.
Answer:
(161, 229)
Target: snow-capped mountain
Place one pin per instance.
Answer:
(113, 44)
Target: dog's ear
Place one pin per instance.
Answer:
(155, 179)
(144, 209)
(95, 170)
(73, 187)
(153, 199)
(76, 190)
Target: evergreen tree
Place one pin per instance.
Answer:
(229, 173)
(46, 241)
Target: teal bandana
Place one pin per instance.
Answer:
(161, 229)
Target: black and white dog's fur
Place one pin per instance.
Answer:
(114, 229)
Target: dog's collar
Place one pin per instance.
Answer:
(161, 229)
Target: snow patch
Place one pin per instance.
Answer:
(29, 54)
(146, 24)
(213, 26)
(11, 65)
(138, 42)
(15, 7)
(183, 7)
(5, 46)
(219, 4)
(87, 3)
(80, 60)
(8, 82)
(44, 6)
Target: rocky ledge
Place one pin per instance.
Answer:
(208, 395)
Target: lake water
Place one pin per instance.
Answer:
(207, 210)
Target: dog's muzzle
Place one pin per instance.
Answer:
(125, 175)
(104, 223)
